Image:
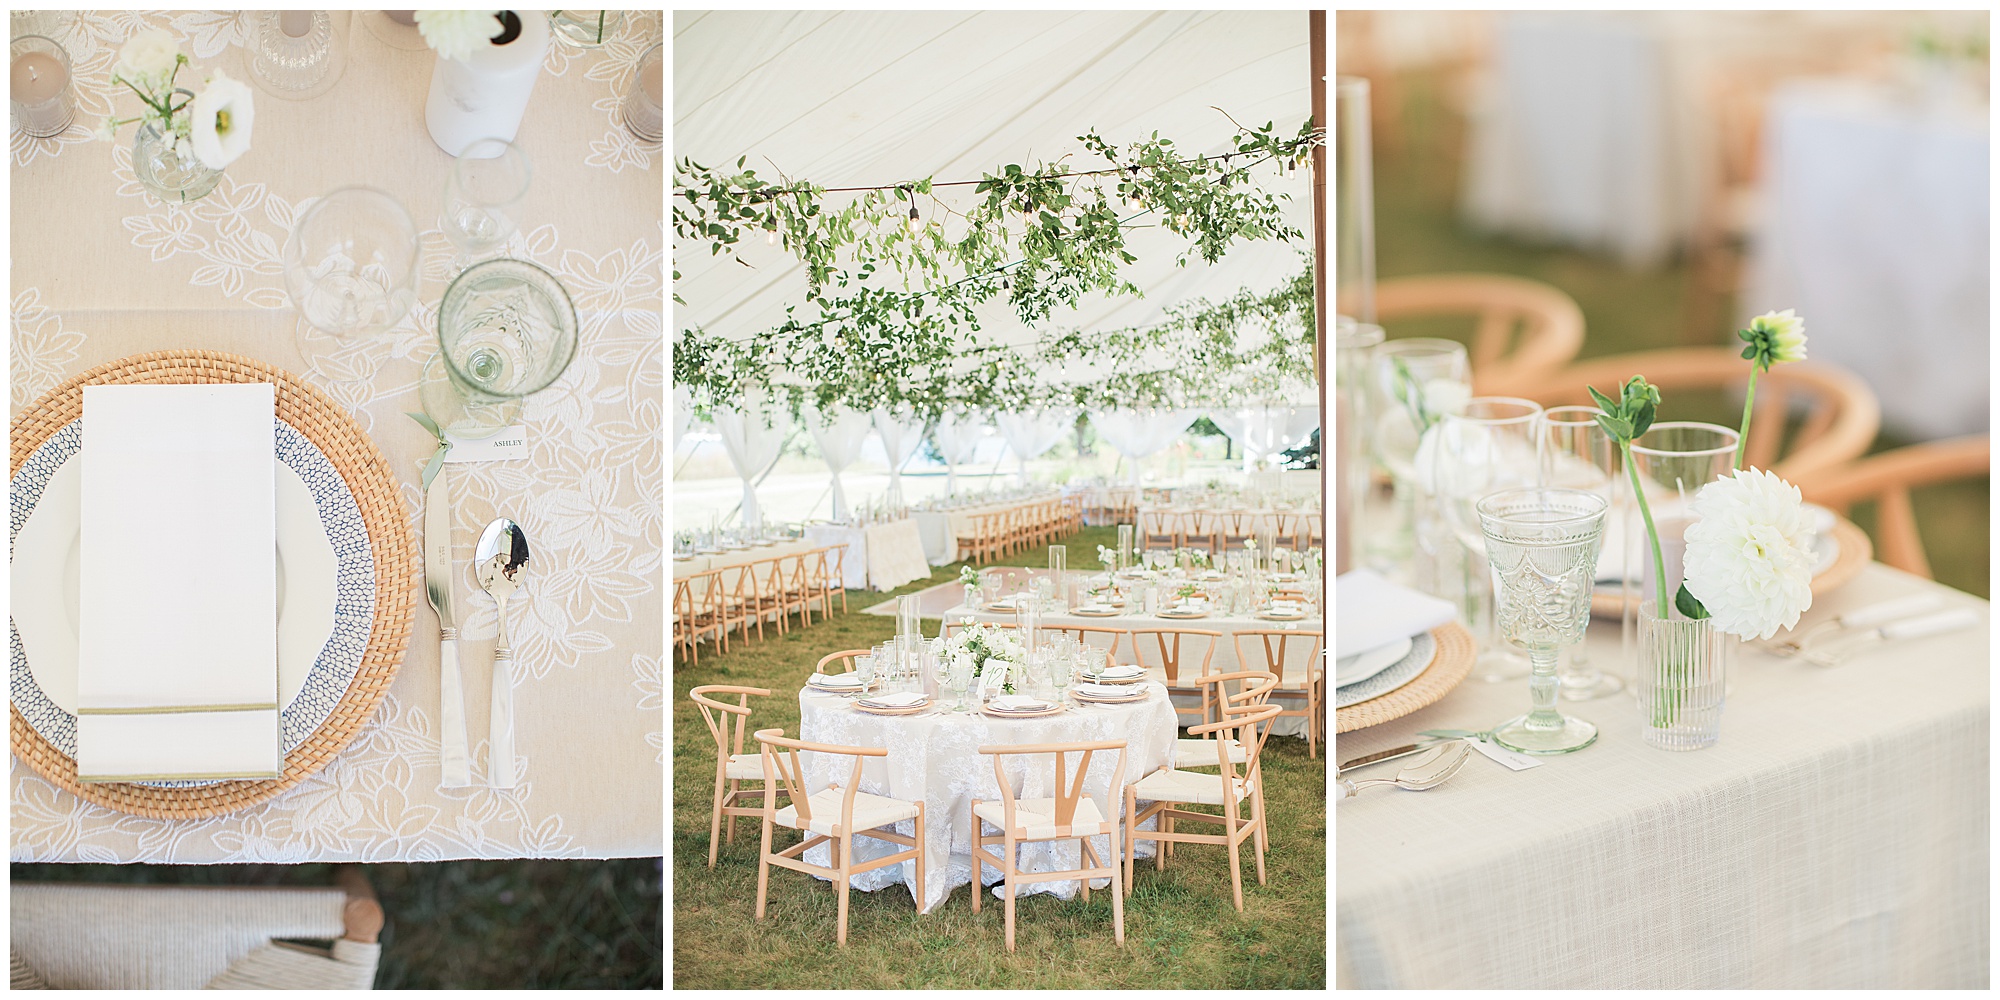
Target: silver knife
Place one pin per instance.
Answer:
(437, 584)
(1391, 754)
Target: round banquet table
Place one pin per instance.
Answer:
(103, 271)
(934, 757)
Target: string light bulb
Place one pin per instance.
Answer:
(915, 223)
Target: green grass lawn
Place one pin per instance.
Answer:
(1418, 231)
(1180, 928)
(470, 924)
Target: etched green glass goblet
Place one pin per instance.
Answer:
(1542, 545)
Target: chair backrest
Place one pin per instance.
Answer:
(1277, 647)
(1242, 722)
(720, 714)
(845, 658)
(1156, 522)
(953, 628)
(1842, 416)
(1550, 322)
(705, 592)
(1888, 478)
(782, 767)
(1068, 784)
(1168, 642)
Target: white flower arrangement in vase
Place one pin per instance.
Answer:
(978, 645)
(185, 139)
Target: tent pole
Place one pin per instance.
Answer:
(1316, 30)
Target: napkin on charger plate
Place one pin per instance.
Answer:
(1371, 611)
(1105, 690)
(1017, 703)
(834, 680)
(901, 699)
(177, 637)
(1121, 670)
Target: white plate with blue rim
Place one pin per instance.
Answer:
(326, 587)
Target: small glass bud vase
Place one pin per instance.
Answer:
(166, 173)
(1683, 666)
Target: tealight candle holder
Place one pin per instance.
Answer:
(41, 87)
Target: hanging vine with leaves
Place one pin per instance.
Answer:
(889, 314)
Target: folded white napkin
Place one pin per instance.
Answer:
(1018, 703)
(1122, 670)
(1371, 611)
(177, 658)
(1105, 690)
(901, 699)
(835, 680)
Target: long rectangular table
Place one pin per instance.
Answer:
(941, 529)
(1837, 836)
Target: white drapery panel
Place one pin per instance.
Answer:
(1137, 434)
(1263, 431)
(1030, 435)
(839, 438)
(751, 444)
(901, 434)
(957, 438)
(683, 414)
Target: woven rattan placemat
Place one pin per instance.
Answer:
(390, 539)
(1454, 659)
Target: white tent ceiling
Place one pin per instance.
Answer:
(847, 98)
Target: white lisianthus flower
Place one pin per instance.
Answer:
(222, 118)
(1749, 554)
(456, 33)
(148, 57)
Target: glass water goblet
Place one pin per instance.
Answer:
(482, 197)
(350, 266)
(959, 676)
(1542, 545)
(1578, 455)
(506, 329)
(864, 669)
(1489, 446)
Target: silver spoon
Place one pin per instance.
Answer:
(501, 556)
(1427, 771)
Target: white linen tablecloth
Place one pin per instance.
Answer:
(935, 758)
(941, 529)
(1877, 233)
(1836, 837)
(1224, 660)
(879, 556)
(102, 271)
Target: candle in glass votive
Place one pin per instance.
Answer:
(643, 114)
(406, 18)
(39, 80)
(295, 23)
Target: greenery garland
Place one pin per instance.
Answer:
(891, 299)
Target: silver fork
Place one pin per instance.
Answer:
(1427, 771)
(1868, 617)
(1945, 621)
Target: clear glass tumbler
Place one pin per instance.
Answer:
(1543, 544)
(1673, 461)
(482, 196)
(506, 329)
(1489, 446)
(1577, 454)
(644, 110)
(350, 265)
(586, 29)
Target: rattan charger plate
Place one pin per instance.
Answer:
(1853, 551)
(1452, 662)
(390, 540)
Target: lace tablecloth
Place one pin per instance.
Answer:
(936, 758)
(102, 271)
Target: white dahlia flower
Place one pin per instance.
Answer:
(1749, 554)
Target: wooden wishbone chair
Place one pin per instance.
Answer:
(1306, 680)
(833, 817)
(733, 767)
(844, 660)
(1069, 814)
(1174, 661)
(1887, 478)
(1253, 688)
(1550, 322)
(1169, 787)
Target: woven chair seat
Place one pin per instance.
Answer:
(870, 812)
(1201, 753)
(744, 767)
(1036, 818)
(1187, 786)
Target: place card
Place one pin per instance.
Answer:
(1509, 759)
(507, 445)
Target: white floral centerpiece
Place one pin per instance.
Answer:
(185, 139)
(1109, 557)
(978, 645)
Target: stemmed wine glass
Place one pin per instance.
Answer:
(506, 330)
(1543, 545)
(1489, 446)
(1577, 454)
(350, 266)
(482, 197)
